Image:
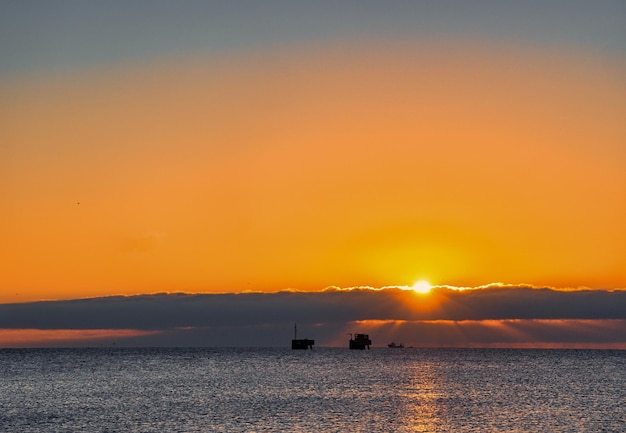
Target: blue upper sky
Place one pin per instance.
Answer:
(36, 37)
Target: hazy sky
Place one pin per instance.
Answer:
(64, 35)
(151, 146)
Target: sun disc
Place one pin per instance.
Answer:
(421, 287)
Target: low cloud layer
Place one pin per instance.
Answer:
(510, 316)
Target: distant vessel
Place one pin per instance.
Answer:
(300, 344)
(360, 341)
(393, 345)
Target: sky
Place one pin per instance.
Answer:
(232, 147)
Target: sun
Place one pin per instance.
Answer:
(421, 286)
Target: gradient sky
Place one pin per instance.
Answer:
(236, 146)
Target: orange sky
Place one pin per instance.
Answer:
(361, 164)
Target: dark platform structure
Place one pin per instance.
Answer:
(360, 341)
(302, 343)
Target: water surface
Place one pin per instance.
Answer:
(323, 390)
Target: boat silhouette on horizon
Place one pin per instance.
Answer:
(393, 345)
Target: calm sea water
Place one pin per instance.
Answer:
(324, 390)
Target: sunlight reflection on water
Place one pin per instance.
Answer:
(324, 390)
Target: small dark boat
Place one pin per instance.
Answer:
(300, 344)
(393, 345)
(360, 341)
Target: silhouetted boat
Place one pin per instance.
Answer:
(393, 345)
(360, 341)
(300, 344)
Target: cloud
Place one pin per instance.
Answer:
(489, 315)
(64, 337)
(167, 311)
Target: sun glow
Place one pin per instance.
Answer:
(421, 287)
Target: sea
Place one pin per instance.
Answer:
(319, 390)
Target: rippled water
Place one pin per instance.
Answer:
(324, 390)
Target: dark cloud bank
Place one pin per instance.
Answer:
(502, 316)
